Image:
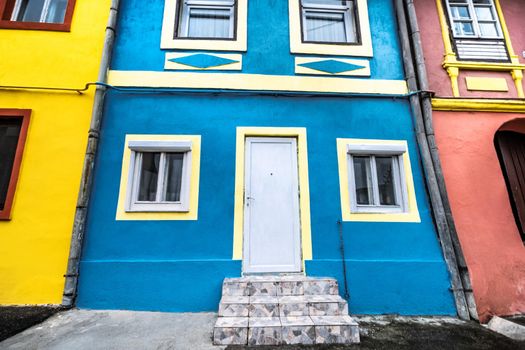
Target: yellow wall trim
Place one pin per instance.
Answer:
(342, 156)
(297, 46)
(257, 82)
(478, 105)
(168, 40)
(304, 200)
(360, 72)
(486, 84)
(194, 181)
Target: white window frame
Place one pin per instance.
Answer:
(188, 5)
(43, 15)
(474, 20)
(170, 39)
(400, 186)
(347, 11)
(137, 148)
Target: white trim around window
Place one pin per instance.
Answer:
(471, 20)
(357, 39)
(176, 33)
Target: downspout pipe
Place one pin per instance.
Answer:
(426, 101)
(438, 210)
(71, 276)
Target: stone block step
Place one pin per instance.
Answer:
(283, 306)
(279, 286)
(286, 330)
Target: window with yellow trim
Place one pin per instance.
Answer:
(332, 27)
(376, 181)
(476, 30)
(205, 24)
(160, 178)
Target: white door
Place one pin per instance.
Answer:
(272, 238)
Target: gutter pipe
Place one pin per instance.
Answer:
(431, 177)
(70, 288)
(429, 130)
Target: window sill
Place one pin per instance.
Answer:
(484, 65)
(55, 27)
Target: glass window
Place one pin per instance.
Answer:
(376, 183)
(9, 133)
(474, 19)
(207, 19)
(41, 11)
(159, 177)
(331, 21)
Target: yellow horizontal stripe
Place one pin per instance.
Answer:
(481, 105)
(236, 81)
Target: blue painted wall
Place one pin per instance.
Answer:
(179, 265)
(139, 30)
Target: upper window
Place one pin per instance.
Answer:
(476, 29)
(37, 14)
(330, 27)
(329, 21)
(206, 19)
(159, 176)
(210, 24)
(13, 130)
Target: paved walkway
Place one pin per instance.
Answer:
(126, 330)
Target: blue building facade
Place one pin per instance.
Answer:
(245, 137)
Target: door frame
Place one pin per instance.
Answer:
(304, 198)
(296, 232)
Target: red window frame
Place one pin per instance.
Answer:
(5, 214)
(6, 10)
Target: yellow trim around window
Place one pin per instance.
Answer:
(194, 180)
(342, 156)
(168, 40)
(304, 200)
(364, 49)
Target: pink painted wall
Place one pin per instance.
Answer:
(480, 202)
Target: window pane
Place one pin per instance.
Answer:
(173, 177)
(9, 132)
(460, 12)
(325, 27)
(149, 173)
(488, 29)
(484, 13)
(385, 180)
(31, 10)
(363, 180)
(209, 23)
(464, 28)
(326, 2)
(56, 11)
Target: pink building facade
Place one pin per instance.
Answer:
(474, 52)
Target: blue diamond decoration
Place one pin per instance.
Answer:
(202, 60)
(331, 66)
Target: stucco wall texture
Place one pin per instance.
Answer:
(478, 194)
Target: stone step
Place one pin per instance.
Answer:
(279, 286)
(286, 330)
(283, 306)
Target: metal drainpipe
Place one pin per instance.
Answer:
(428, 166)
(429, 130)
(70, 288)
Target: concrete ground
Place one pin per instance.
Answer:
(108, 330)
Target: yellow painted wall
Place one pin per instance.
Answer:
(34, 244)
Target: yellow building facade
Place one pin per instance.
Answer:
(50, 53)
